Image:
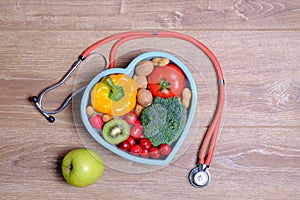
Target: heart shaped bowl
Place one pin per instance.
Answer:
(130, 70)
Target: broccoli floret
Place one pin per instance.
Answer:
(164, 120)
(153, 118)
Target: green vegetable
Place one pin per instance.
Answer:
(163, 121)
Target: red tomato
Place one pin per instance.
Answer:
(136, 131)
(167, 81)
(125, 145)
(138, 123)
(154, 152)
(145, 153)
(130, 117)
(131, 140)
(136, 150)
(145, 143)
(165, 150)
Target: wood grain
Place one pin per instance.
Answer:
(122, 14)
(257, 43)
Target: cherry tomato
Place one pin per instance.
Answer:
(167, 81)
(165, 150)
(125, 145)
(138, 123)
(130, 117)
(131, 140)
(145, 143)
(154, 152)
(136, 131)
(145, 153)
(136, 150)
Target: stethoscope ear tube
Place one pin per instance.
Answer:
(38, 100)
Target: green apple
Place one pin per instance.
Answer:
(82, 167)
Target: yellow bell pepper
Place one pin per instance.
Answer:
(114, 95)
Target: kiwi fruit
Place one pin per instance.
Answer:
(116, 131)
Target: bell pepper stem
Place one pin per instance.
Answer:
(116, 91)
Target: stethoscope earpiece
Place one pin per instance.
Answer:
(50, 119)
(35, 100)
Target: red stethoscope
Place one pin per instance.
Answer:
(199, 176)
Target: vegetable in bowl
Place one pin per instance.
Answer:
(164, 120)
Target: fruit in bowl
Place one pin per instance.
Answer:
(149, 111)
(116, 131)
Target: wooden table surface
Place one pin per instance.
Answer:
(257, 43)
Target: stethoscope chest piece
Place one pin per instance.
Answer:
(199, 177)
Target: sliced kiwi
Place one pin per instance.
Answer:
(116, 131)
